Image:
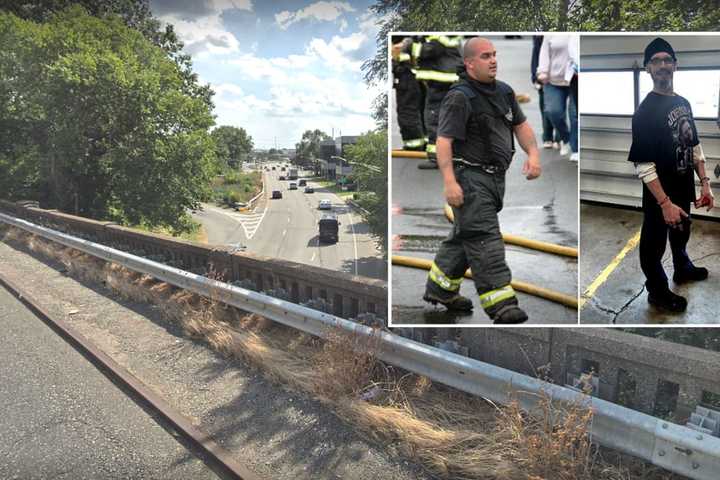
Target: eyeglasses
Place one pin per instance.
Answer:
(659, 61)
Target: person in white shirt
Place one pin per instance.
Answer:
(557, 67)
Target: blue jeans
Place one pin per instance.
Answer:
(557, 108)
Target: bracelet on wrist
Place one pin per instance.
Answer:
(662, 202)
(705, 179)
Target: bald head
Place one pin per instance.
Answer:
(480, 61)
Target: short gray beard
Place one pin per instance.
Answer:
(663, 84)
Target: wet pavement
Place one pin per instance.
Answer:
(544, 209)
(621, 298)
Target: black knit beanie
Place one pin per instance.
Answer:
(658, 45)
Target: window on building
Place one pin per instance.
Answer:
(607, 93)
(699, 87)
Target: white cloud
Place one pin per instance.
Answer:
(321, 11)
(221, 5)
(203, 32)
(336, 52)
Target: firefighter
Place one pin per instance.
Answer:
(437, 58)
(410, 95)
(478, 118)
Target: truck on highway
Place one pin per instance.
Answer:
(293, 174)
(328, 228)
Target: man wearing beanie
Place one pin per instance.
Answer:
(666, 152)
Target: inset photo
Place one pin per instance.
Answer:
(483, 192)
(649, 165)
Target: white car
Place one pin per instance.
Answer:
(325, 205)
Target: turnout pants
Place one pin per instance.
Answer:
(410, 99)
(653, 239)
(475, 240)
(436, 92)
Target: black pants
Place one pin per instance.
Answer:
(410, 101)
(436, 92)
(653, 239)
(475, 240)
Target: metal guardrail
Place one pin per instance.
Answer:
(673, 447)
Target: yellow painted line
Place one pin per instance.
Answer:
(602, 278)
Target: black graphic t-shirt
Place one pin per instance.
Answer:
(663, 132)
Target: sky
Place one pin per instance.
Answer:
(279, 68)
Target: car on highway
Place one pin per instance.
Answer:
(325, 205)
(328, 228)
(281, 177)
(276, 194)
(273, 168)
(282, 169)
(292, 186)
(309, 190)
(302, 182)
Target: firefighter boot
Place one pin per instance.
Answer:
(431, 163)
(451, 300)
(507, 312)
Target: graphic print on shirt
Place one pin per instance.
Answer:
(680, 122)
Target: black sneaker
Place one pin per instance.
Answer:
(667, 300)
(429, 165)
(691, 274)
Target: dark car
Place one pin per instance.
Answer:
(292, 186)
(302, 183)
(273, 168)
(281, 177)
(309, 190)
(328, 228)
(276, 194)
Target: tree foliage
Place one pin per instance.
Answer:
(370, 170)
(96, 120)
(232, 146)
(309, 146)
(135, 14)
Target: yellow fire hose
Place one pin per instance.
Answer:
(408, 154)
(526, 242)
(529, 288)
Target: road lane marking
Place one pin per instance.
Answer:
(312, 259)
(354, 241)
(284, 232)
(600, 279)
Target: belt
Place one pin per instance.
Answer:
(485, 167)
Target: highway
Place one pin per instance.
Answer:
(287, 228)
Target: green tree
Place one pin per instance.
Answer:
(232, 146)
(370, 170)
(99, 121)
(135, 14)
(308, 150)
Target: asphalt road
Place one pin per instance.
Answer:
(287, 228)
(63, 419)
(543, 209)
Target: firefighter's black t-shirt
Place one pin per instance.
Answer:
(455, 113)
(663, 132)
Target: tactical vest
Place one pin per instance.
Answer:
(484, 109)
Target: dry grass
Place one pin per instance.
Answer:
(451, 434)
